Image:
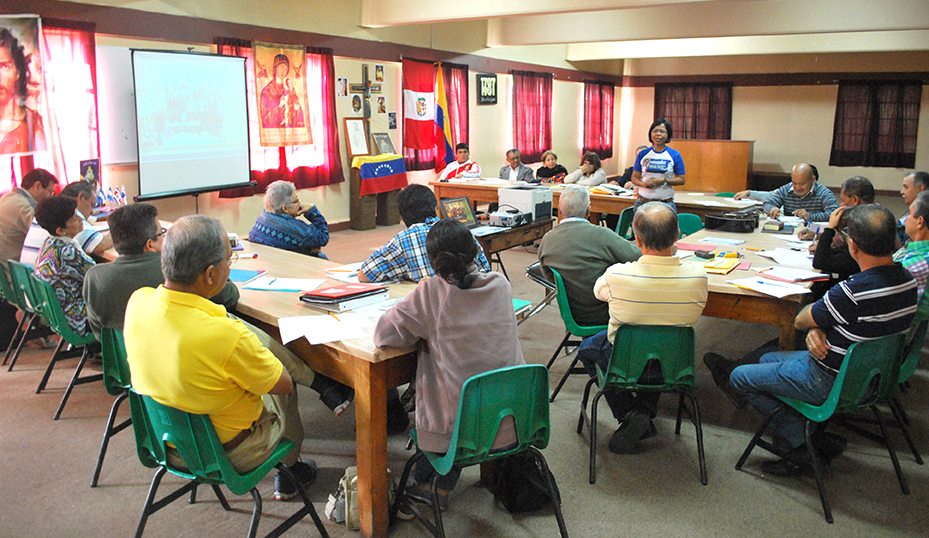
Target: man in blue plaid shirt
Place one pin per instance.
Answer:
(915, 256)
(404, 256)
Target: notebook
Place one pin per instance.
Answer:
(460, 209)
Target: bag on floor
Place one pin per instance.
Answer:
(519, 484)
(343, 504)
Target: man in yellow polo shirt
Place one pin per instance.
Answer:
(184, 352)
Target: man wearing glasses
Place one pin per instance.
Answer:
(137, 237)
(280, 225)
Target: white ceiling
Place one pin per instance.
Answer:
(622, 29)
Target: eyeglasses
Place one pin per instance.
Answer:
(233, 258)
(161, 233)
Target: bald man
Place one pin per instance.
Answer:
(804, 197)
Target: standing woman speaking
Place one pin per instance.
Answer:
(658, 169)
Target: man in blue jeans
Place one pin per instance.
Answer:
(878, 301)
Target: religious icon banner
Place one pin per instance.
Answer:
(280, 79)
(22, 86)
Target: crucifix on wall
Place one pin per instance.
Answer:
(367, 87)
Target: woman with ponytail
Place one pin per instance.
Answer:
(466, 322)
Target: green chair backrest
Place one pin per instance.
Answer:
(54, 315)
(197, 443)
(913, 349)
(689, 223)
(486, 399)
(725, 194)
(116, 376)
(635, 345)
(25, 295)
(6, 289)
(565, 309)
(624, 224)
(866, 364)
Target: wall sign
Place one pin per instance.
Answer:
(487, 89)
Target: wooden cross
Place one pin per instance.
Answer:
(367, 88)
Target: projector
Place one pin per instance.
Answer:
(509, 220)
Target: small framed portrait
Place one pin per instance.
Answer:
(383, 143)
(356, 137)
(356, 102)
(379, 72)
(341, 87)
(391, 121)
(381, 105)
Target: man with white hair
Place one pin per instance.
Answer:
(278, 225)
(581, 252)
(184, 352)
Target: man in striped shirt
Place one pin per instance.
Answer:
(657, 289)
(804, 197)
(878, 301)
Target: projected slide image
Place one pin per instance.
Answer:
(192, 120)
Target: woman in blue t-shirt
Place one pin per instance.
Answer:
(658, 169)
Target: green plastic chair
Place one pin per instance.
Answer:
(912, 351)
(624, 225)
(689, 224)
(198, 445)
(633, 347)
(22, 294)
(486, 399)
(117, 380)
(725, 194)
(573, 336)
(868, 376)
(55, 316)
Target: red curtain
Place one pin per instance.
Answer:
(696, 111)
(305, 166)
(532, 114)
(70, 110)
(456, 93)
(598, 118)
(876, 124)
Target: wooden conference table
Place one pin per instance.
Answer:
(730, 302)
(357, 363)
(481, 190)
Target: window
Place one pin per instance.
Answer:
(307, 166)
(456, 94)
(532, 114)
(598, 118)
(876, 124)
(696, 111)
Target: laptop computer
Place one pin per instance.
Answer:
(460, 209)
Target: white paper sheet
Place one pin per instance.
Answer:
(793, 258)
(721, 240)
(324, 328)
(270, 283)
(769, 287)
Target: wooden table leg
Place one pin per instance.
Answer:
(371, 433)
(788, 336)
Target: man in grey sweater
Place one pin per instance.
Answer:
(581, 252)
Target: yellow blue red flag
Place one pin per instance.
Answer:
(443, 133)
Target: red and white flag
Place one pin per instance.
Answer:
(418, 105)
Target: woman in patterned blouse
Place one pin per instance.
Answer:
(61, 262)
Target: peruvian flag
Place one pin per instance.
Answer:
(418, 105)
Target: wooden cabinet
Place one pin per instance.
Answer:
(715, 165)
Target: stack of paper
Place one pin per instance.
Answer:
(787, 274)
(345, 273)
(721, 266)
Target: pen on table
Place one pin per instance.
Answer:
(771, 284)
(763, 270)
(272, 281)
(753, 249)
(248, 256)
(335, 316)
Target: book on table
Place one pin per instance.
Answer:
(790, 274)
(346, 296)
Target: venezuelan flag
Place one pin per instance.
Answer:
(381, 173)
(443, 134)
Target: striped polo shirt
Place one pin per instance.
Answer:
(819, 202)
(654, 290)
(871, 304)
